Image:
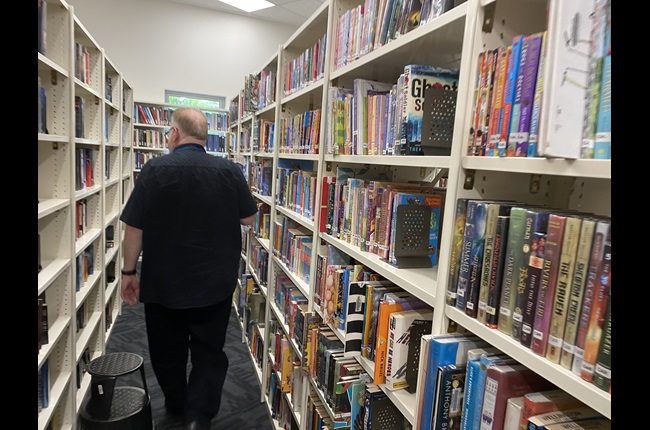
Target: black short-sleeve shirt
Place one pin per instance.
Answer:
(189, 205)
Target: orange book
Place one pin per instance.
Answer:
(391, 303)
(540, 402)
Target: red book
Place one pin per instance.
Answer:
(502, 382)
(540, 402)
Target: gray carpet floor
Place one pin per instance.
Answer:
(241, 407)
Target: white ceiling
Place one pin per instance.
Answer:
(291, 12)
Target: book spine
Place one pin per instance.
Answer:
(470, 386)
(533, 137)
(529, 81)
(476, 260)
(530, 228)
(556, 227)
(478, 83)
(603, 142)
(589, 296)
(536, 266)
(488, 255)
(464, 268)
(486, 109)
(603, 371)
(512, 260)
(516, 102)
(577, 291)
(594, 333)
(456, 250)
(556, 321)
(496, 273)
(509, 94)
(497, 101)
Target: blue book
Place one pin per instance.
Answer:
(603, 143)
(476, 404)
(465, 255)
(473, 356)
(444, 349)
(476, 259)
(509, 95)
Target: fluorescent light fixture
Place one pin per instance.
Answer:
(249, 5)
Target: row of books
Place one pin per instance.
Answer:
(544, 96)
(292, 245)
(295, 190)
(300, 134)
(258, 261)
(382, 118)
(539, 275)
(264, 138)
(467, 384)
(262, 224)
(79, 117)
(42, 108)
(261, 176)
(81, 218)
(85, 264)
(152, 115)
(84, 168)
(144, 138)
(217, 121)
(44, 386)
(368, 210)
(141, 157)
(306, 68)
(375, 23)
(82, 63)
(43, 322)
(259, 90)
(42, 27)
(216, 143)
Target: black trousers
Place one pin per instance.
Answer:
(201, 332)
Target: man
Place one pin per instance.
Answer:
(185, 215)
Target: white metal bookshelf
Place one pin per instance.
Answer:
(62, 241)
(454, 39)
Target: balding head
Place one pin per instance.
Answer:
(191, 123)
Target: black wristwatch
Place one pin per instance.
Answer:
(129, 272)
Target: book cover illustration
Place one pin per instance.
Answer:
(418, 77)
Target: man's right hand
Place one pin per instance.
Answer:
(130, 290)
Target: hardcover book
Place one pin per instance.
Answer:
(535, 269)
(574, 305)
(597, 318)
(578, 413)
(588, 424)
(603, 371)
(456, 250)
(540, 402)
(442, 351)
(476, 402)
(374, 294)
(511, 262)
(476, 258)
(489, 265)
(472, 367)
(502, 382)
(496, 273)
(494, 130)
(513, 413)
(361, 89)
(533, 136)
(516, 102)
(536, 221)
(465, 256)
(448, 398)
(553, 324)
(533, 46)
(509, 94)
(590, 296)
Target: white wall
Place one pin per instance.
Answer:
(160, 45)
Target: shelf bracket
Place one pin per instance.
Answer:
(533, 185)
(469, 179)
(53, 77)
(488, 17)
